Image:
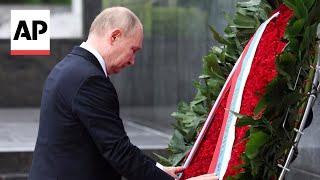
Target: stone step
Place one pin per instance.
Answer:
(16, 165)
(18, 131)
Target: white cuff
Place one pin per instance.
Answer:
(159, 166)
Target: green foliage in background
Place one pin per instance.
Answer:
(267, 143)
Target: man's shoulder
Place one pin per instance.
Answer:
(80, 65)
(70, 73)
(74, 68)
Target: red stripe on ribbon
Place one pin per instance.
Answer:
(234, 79)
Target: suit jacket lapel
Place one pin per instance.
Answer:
(77, 50)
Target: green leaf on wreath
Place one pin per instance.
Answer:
(284, 65)
(296, 27)
(242, 21)
(204, 77)
(192, 132)
(249, 3)
(162, 160)
(260, 106)
(308, 3)
(255, 166)
(183, 107)
(177, 143)
(197, 100)
(238, 115)
(211, 64)
(245, 121)
(309, 32)
(178, 158)
(256, 141)
(200, 109)
(299, 8)
(217, 36)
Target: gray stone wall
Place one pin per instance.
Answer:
(159, 77)
(162, 76)
(163, 73)
(22, 77)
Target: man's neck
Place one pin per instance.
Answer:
(94, 44)
(94, 50)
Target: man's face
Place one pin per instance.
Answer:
(123, 50)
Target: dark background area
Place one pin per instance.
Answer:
(176, 38)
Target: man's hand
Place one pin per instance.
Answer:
(173, 171)
(205, 177)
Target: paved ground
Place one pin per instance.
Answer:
(148, 128)
(19, 127)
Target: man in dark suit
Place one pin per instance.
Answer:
(81, 136)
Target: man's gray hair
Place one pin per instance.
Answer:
(115, 17)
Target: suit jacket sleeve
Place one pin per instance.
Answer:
(96, 106)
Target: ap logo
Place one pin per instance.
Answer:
(30, 32)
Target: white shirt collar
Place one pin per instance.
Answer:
(86, 46)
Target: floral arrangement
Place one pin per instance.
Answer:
(276, 90)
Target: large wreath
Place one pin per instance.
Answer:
(276, 89)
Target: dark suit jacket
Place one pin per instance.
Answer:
(81, 136)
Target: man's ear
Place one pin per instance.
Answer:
(115, 35)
